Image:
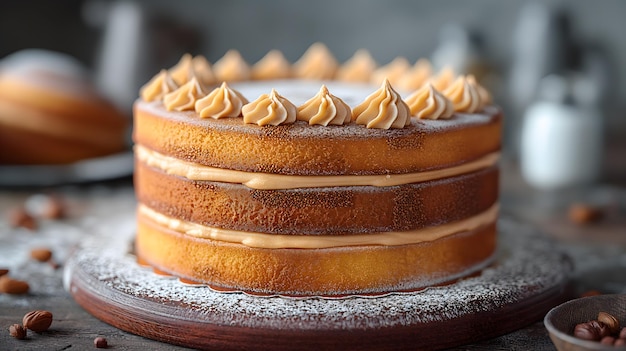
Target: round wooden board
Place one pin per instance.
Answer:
(528, 277)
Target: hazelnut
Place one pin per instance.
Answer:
(620, 342)
(20, 218)
(13, 286)
(37, 321)
(53, 208)
(587, 331)
(610, 322)
(100, 343)
(584, 213)
(603, 330)
(17, 331)
(607, 340)
(41, 254)
(591, 293)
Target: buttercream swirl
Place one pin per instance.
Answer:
(272, 109)
(485, 97)
(223, 101)
(316, 63)
(185, 97)
(324, 108)
(443, 79)
(383, 109)
(393, 71)
(428, 103)
(464, 96)
(182, 70)
(158, 86)
(417, 76)
(202, 70)
(231, 67)
(189, 66)
(272, 66)
(358, 68)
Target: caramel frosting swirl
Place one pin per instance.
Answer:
(272, 66)
(393, 71)
(185, 97)
(189, 67)
(181, 72)
(464, 96)
(316, 63)
(428, 103)
(325, 108)
(443, 79)
(231, 67)
(485, 97)
(417, 76)
(202, 70)
(358, 68)
(221, 102)
(158, 86)
(383, 109)
(271, 109)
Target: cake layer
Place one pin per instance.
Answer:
(312, 211)
(326, 271)
(302, 149)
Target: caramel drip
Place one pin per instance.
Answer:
(393, 71)
(158, 87)
(316, 63)
(358, 68)
(272, 66)
(283, 241)
(428, 103)
(325, 108)
(269, 181)
(383, 109)
(185, 97)
(221, 102)
(417, 76)
(463, 95)
(272, 109)
(231, 67)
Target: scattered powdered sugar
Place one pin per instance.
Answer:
(526, 265)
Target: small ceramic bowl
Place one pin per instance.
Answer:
(561, 320)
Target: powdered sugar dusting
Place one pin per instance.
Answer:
(526, 265)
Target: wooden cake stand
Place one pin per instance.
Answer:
(528, 277)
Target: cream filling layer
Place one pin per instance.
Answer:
(281, 241)
(267, 181)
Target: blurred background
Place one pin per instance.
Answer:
(569, 57)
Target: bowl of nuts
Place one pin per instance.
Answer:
(589, 323)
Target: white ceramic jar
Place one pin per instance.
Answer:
(561, 145)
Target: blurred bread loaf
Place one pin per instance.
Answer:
(50, 112)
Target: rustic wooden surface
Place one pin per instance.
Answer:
(598, 251)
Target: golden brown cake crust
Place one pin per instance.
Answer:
(331, 271)
(301, 149)
(328, 211)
